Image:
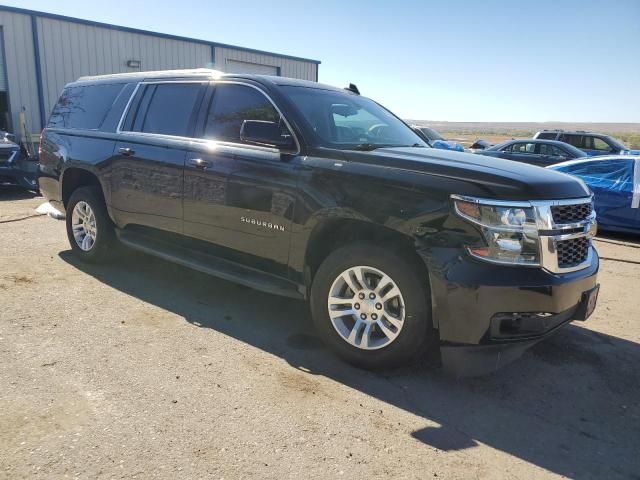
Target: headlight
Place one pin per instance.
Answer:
(510, 231)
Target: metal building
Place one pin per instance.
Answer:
(41, 52)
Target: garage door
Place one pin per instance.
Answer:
(235, 66)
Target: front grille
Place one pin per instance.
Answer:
(572, 252)
(563, 214)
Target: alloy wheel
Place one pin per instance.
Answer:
(366, 307)
(83, 224)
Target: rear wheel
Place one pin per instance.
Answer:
(371, 306)
(89, 228)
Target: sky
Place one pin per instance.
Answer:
(489, 60)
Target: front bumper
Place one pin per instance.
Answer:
(473, 303)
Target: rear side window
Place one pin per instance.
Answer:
(84, 107)
(231, 105)
(552, 150)
(523, 148)
(165, 109)
(575, 140)
(547, 136)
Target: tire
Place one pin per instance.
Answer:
(100, 226)
(411, 335)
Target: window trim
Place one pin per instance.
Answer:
(207, 83)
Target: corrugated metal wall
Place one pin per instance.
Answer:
(288, 67)
(20, 71)
(71, 50)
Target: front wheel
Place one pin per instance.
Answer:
(371, 306)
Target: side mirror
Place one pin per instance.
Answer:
(262, 132)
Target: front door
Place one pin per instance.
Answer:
(238, 195)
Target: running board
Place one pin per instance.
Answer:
(210, 265)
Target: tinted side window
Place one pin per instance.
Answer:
(575, 140)
(84, 107)
(167, 108)
(231, 105)
(524, 148)
(547, 136)
(546, 149)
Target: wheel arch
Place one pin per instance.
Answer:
(331, 234)
(76, 177)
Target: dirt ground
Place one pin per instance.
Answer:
(144, 369)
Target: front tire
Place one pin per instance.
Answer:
(371, 306)
(89, 228)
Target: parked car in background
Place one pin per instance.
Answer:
(593, 144)
(16, 168)
(435, 139)
(479, 144)
(535, 152)
(615, 182)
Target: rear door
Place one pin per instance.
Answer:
(574, 139)
(147, 178)
(550, 154)
(524, 152)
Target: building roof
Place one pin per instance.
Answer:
(120, 28)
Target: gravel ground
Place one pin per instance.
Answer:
(143, 369)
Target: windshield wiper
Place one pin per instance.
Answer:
(367, 147)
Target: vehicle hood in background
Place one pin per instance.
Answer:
(499, 178)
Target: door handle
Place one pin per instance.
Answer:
(126, 151)
(200, 163)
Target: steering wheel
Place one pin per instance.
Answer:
(377, 130)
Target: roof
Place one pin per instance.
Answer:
(560, 130)
(536, 140)
(35, 13)
(201, 73)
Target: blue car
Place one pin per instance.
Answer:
(615, 182)
(434, 139)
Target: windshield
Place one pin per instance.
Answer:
(351, 122)
(431, 134)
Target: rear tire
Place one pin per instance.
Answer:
(89, 229)
(385, 300)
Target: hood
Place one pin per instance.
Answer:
(493, 177)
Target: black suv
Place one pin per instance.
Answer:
(318, 193)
